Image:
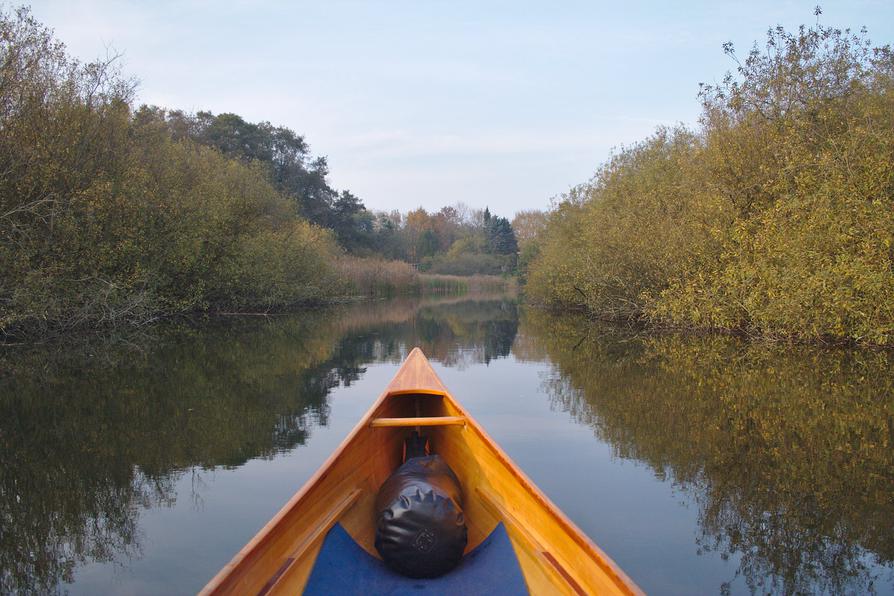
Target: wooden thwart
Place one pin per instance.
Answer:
(419, 421)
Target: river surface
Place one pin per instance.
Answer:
(701, 465)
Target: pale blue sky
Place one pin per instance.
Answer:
(429, 103)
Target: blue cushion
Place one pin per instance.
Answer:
(342, 567)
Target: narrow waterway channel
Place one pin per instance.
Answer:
(700, 464)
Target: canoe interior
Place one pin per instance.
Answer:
(492, 568)
(553, 555)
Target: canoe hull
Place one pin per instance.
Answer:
(554, 555)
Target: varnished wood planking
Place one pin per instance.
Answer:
(554, 555)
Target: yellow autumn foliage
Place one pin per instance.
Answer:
(776, 217)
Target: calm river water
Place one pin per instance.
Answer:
(702, 465)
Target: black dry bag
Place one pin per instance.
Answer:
(420, 529)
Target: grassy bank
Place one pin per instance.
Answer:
(774, 218)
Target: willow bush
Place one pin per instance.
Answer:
(105, 218)
(644, 219)
(776, 217)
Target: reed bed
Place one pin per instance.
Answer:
(460, 284)
(374, 277)
(378, 277)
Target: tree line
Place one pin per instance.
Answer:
(774, 217)
(112, 213)
(455, 240)
(291, 168)
(418, 237)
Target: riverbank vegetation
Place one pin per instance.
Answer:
(528, 227)
(775, 217)
(115, 214)
(107, 218)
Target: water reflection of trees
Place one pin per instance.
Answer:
(89, 441)
(464, 333)
(787, 451)
(94, 433)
